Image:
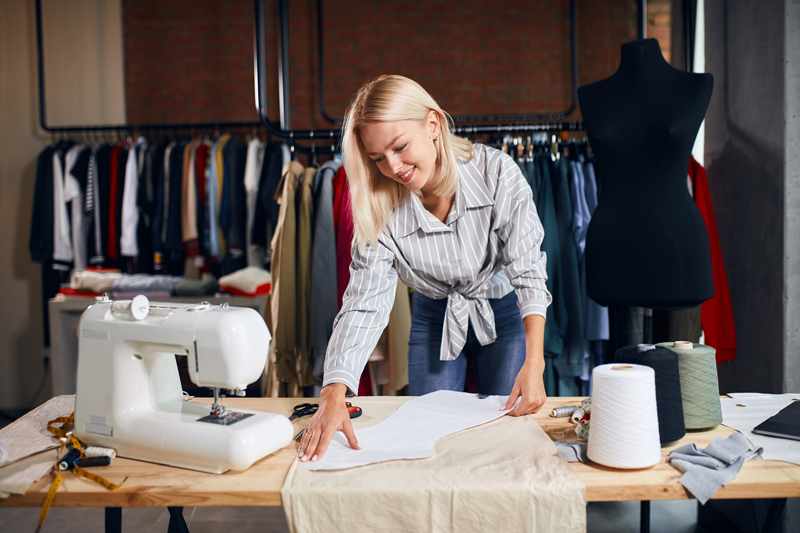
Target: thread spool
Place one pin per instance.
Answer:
(97, 451)
(88, 462)
(563, 412)
(699, 384)
(668, 386)
(624, 417)
(66, 462)
(577, 415)
(131, 310)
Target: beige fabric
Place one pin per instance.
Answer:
(399, 331)
(502, 476)
(305, 203)
(284, 377)
(29, 435)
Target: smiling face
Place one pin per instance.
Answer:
(404, 150)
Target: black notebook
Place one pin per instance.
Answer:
(785, 424)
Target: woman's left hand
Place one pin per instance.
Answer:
(529, 388)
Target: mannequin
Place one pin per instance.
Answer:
(647, 244)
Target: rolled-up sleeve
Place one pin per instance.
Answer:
(365, 311)
(520, 229)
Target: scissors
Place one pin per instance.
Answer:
(310, 408)
(304, 409)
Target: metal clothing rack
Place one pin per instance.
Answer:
(467, 125)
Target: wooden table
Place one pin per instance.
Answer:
(152, 485)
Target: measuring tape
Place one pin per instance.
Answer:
(63, 435)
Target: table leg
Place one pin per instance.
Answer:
(644, 517)
(176, 522)
(113, 519)
(774, 515)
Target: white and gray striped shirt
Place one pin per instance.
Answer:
(489, 246)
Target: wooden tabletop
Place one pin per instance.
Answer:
(152, 485)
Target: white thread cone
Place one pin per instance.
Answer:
(624, 426)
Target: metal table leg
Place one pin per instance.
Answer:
(113, 519)
(644, 517)
(176, 522)
(774, 514)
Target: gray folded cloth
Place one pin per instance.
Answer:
(572, 451)
(146, 282)
(704, 471)
(196, 287)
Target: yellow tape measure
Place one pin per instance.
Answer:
(64, 434)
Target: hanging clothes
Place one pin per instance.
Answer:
(569, 364)
(716, 314)
(324, 292)
(286, 367)
(304, 217)
(267, 210)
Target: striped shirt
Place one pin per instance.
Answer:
(489, 246)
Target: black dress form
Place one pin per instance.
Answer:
(647, 243)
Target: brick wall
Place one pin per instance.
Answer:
(191, 60)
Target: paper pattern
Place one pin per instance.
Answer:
(411, 432)
(755, 409)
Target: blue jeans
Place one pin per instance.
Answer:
(496, 365)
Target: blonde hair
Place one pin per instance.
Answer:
(391, 98)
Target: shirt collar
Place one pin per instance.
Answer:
(472, 192)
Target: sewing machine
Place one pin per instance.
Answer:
(129, 395)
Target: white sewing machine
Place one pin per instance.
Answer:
(129, 394)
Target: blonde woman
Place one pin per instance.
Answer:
(457, 223)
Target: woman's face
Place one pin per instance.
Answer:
(404, 150)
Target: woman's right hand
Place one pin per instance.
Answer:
(332, 416)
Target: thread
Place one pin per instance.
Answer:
(624, 427)
(88, 462)
(577, 415)
(66, 462)
(668, 386)
(699, 385)
(97, 451)
(563, 412)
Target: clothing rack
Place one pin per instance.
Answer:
(479, 124)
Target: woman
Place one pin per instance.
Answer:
(467, 240)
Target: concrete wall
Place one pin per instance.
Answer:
(745, 160)
(753, 162)
(791, 347)
(83, 51)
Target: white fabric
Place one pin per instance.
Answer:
(62, 243)
(130, 214)
(93, 281)
(505, 475)
(411, 432)
(74, 195)
(248, 279)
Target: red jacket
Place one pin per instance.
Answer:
(716, 314)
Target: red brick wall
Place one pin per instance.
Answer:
(191, 60)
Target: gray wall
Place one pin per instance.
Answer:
(745, 159)
(752, 156)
